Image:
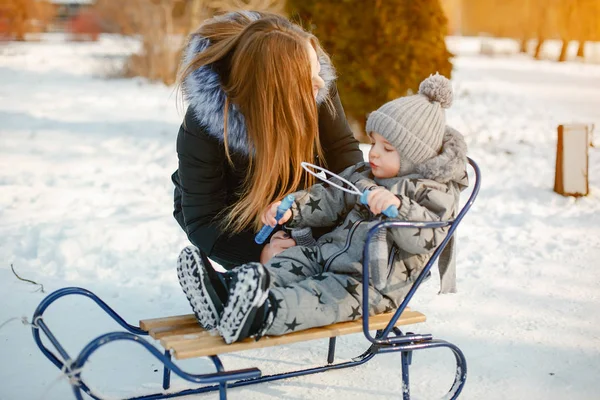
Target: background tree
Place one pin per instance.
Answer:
(25, 16)
(382, 49)
(583, 24)
(163, 26)
(566, 20)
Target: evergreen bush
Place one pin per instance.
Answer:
(382, 49)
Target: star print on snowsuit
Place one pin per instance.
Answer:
(321, 284)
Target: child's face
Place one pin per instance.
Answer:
(383, 157)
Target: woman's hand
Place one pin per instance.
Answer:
(380, 199)
(279, 242)
(268, 217)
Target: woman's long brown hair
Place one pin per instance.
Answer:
(269, 79)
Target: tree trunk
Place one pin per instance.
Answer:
(20, 35)
(167, 74)
(523, 45)
(563, 51)
(581, 48)
(196, 14)
(538, 48)
(357, 125)
(20, 26)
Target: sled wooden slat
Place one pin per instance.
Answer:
(185, 341)
(178, 331)
(176, 321)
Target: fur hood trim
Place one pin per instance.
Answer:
(203, 92)
(450, 164)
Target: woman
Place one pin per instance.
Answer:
(261, 100)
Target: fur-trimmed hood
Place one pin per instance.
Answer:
(450, 164)
(203, 91)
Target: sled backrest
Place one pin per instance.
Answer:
(382, 338)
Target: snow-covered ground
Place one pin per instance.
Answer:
(85, 200)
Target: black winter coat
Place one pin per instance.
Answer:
(205, 182)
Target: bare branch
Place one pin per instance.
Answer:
(41, 287)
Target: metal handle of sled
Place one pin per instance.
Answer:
(72, 367)
(39, 324)
(383, 339)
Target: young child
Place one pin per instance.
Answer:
(416, 163)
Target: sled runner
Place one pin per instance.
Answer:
(181, 337)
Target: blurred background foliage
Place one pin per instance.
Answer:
(20, 17)
(527, 21)
(381, 49)
(163, 26)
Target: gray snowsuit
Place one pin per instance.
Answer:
(320, 284)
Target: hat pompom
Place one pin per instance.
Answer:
(437, 88)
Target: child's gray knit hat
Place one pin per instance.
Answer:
(415, 125)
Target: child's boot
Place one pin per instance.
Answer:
(248, 311)
(206, 289)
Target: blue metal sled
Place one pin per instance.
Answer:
(389, 339)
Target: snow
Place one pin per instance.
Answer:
(86, 199)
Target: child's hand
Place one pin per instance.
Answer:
(380, 199)
(268, 217)
(279, 242)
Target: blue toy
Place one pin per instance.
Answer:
(266, 230)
